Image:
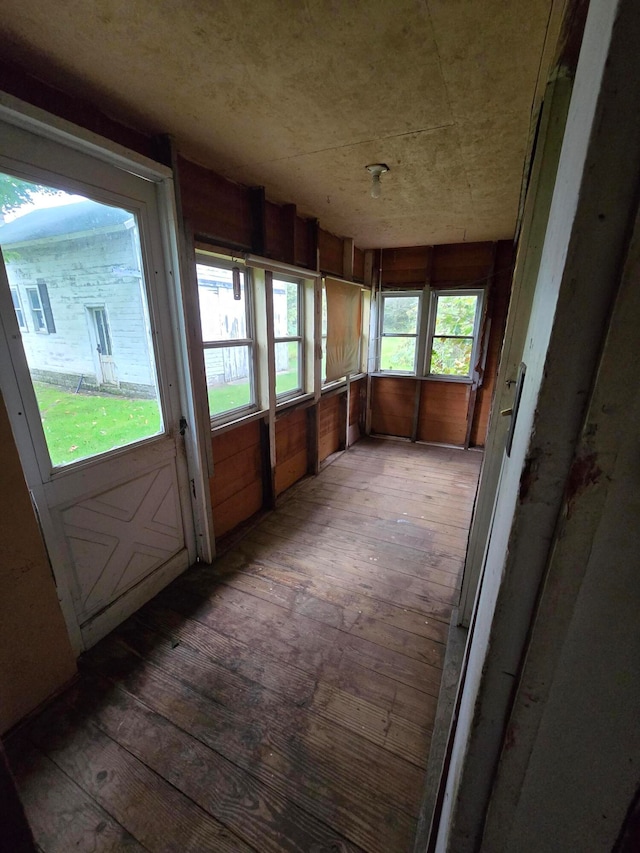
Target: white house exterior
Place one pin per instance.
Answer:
(75, 278)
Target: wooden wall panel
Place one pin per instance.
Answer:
(407, 266)
(15, 81)
(357, 409)
(498, 308)
(291, 449)
(357, 400)
(461, 263)
(329, 437)
(276, 236)
(443, 412)
(331, 253)
(236, 485)
(215, 207)
(358, 264)
(302, 248)
(392, 405)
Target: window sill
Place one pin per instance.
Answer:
(218, 427)
(340, 384)
(458, 380)
(292, 402)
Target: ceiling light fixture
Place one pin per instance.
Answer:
(376, 170)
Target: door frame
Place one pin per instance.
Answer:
(192, 451)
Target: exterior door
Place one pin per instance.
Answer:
(106, 365)
(88, 375)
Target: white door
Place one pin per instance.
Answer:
(83, 274)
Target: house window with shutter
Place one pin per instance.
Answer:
(40, 307)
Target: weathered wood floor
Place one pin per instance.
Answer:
(282, 700)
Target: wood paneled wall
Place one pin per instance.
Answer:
(443, 412)
(237, 482)
(357, 410)
(291, 449)
(498, 307)
(330, 426)
(392, 405)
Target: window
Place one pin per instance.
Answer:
(227, 337)
(288, 338)
(17, 304)
(453, 333)
(399, 325)
(40, 307)
(81, 418)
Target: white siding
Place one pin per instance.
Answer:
(100, 270)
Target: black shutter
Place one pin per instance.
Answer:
(46, 306)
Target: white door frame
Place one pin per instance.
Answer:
(534, 224)
(191, 453)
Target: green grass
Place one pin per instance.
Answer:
(398, 354)
(80, 425)
(225, 398)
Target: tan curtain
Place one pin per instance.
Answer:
(344, 327)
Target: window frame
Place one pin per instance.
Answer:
(417, 336)
(299, 390)
(221, 418)
(436, 294)
(39, 325)
(18, 306)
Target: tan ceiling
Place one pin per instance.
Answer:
(299, 95)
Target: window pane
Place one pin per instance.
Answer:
(18, 308)
(223, 317)
(398, 354)
(451, 356)
(287, 367)
(456, 315)
(74, 264)
(228, 378)
(400, 315)
(286, 308)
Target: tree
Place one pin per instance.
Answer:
(15, 192)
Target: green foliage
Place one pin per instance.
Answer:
(401, 315)
(292, 309)
(451, 356)
(456, 315)
(15, 192)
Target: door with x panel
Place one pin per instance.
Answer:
(88, 374)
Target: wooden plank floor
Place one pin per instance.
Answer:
(281, 700)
